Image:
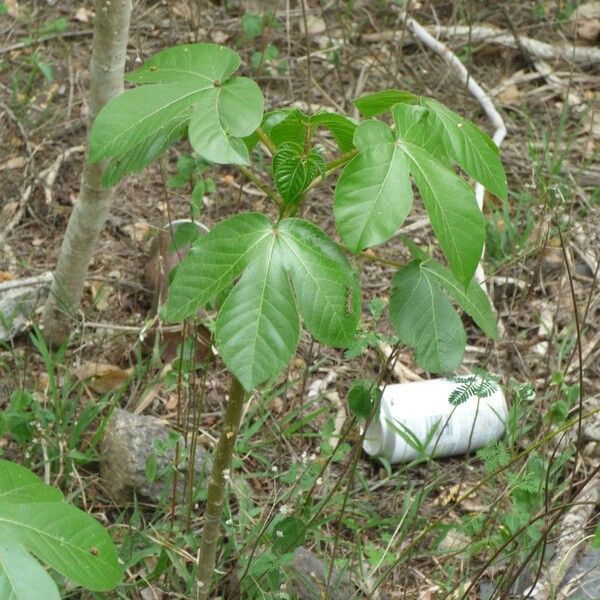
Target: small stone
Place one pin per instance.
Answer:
(128, 443)
(18, 301)
(309, 578)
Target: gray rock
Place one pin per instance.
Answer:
(583, 578)
(18, 301)
(582, 581)
(133, 444)
(309, 578)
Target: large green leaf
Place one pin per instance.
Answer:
(473, 300)
(214, 261)
(455, 217)
(288, 268)
(65, 538)
(203, 63)
(325, 284)
(137, 115)
(371, 105)
(292, 125)
(416, 125)
(143, 153)
(223, 115)
(19, 485)
(186, 84)
(258, 326)
(293, 128)
(342, 128)
(425, 320)
(22, 577)
(372, 133)
(373, 195)
(294, 169)
(471, 148)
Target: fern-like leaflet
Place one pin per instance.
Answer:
(480, 385)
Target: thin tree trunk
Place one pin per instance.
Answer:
(211, 530)
(109, 46)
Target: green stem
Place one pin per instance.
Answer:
(259, 184)
(331, 166)
(341, 160)
(216, 489)
(266, 140)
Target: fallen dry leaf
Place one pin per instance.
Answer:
(17, 162)
(314, 25)
(103, 377)
(83, 14)
(589, 30)
(218, 36)
(587, 19)
(43, 381)
(7, 213)
(588, 10)
(509, 95)
(138, 231)
(101, 295)
(6, 276)
(277, 405)
(12, 7)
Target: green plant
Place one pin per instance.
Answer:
(274, 273)
(35, 518)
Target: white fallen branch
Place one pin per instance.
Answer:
(492, 35)
(572, 535)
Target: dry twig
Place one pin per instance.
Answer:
(492, 35)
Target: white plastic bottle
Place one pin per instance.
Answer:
(416, 408)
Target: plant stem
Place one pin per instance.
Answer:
(265, 188)
(340, 160)
(216, 488)
(331, 166)
(266, 140)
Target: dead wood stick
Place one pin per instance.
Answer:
(492, 35)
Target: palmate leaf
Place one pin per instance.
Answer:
(287, 270)
(189, 85)
(463, 142)
(473, 299)
(474, 151)
(373, 195)
(19, 485)
(294, 169)
(62, 536)
(342, 128)
(292, 125)
(258, 326)
(424, 319)
(455, 217)
(22, 577)
(371, 105)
